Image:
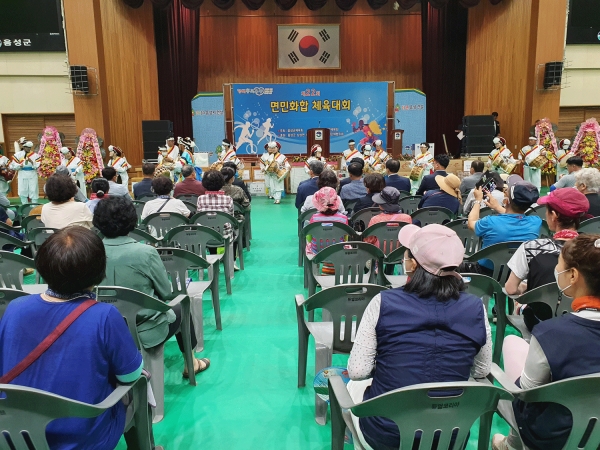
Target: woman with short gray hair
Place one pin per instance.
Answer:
(587, 181)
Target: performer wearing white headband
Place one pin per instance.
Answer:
(5, 176)
(172, 149)
(562, 155)
(276, 167)
(75, 166)
(379, 157)
(349, 154)
(119, 162)
(228, 153)
(528, 154)
(501, 158)
(26, 162)
(420, 166)
(315, 155)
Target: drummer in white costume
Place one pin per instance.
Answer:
(26, 162)
(4, 186)
(501, 158)
(119, 162)
(379, 157)
(276, 167)
(75, 166)
(528, 154)
(424, 161)
(228, 153)
(349, 154)
(562, 155)
(315, 155)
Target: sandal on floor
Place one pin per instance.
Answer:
(277, 202)
(200, 368)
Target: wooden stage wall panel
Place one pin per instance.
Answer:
(240, 46)
(119, 42)
(497, 65)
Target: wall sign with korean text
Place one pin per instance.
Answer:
(285, 112)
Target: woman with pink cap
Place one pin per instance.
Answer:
(327, 202)
(428, 331)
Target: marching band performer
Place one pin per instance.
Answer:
(562, 155)
(228, 153)
(186, 145)
(75, 166)
(119, 162)
(420, 166)
(276, 167)
(26, 162)
(380, 157)
(501, 158)
(166, 164)
(349, 154)
(6, 175)
(527, 154)
(172, 149)
(315, 155)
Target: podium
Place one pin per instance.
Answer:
(318, 136)
(395, 139)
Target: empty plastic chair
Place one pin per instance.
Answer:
(386, 234)
(433, 214)
(396, 257)
(38, 236)
(360, 219)
(539, 210)
(8, 295)
(217, 220)
(410, 204)
(159, 224)
(30, 222)
(499, 254)
(144, 237)
(191, 198)
(471, 241)
(591, 226)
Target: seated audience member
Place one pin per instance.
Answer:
(100, 189)
(428, 183)
(511, 224)
(374, 183)
(560, 348)
(189, 185)
(236, 193)
(344, 181)
(144, 187)
(326, 201)
(95, 352)
(403, 339)
(328, 178)
(469, 182)
(162, 187)
(237, 181)
(216, 200)
(355, 188)
(63, 210)
(387, 201)
(309, 187)
(392, 166)
(447, 196)
(587, 181)
(138, 266)
(532, 264)
(26, 251)
(574, 165)
(116, 189)
(79, 196)
(498, 193)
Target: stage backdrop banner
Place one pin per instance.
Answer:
(208, 121)
(284, 112)
(308, 46)
(409, 111)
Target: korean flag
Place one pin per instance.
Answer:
(309, 46)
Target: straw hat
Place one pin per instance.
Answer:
(449, 184)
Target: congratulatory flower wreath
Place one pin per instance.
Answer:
(546, 138)
(587, 143)
(49, 152)
(88, 151)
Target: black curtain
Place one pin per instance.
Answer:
(177, 35)
(444, 37)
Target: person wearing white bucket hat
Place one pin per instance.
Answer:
(429, 330)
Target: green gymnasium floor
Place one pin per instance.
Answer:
(248, 398)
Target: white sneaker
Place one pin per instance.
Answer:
(235, 267)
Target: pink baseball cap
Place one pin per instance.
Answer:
(567, 201)
(435, 247)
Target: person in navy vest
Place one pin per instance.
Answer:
(428, 331)
(560, 348)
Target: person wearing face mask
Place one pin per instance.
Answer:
(531, 265)
(367, 152)
(562, 347)
(380, 157)
(424, 161)
(75, 166)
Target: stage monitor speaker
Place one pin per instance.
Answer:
(79, 79)
(553, 74)
(154, 135)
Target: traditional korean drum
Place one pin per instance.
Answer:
(415, 173)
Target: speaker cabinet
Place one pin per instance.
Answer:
(553, 74)
(154, 135)
(79, 79)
